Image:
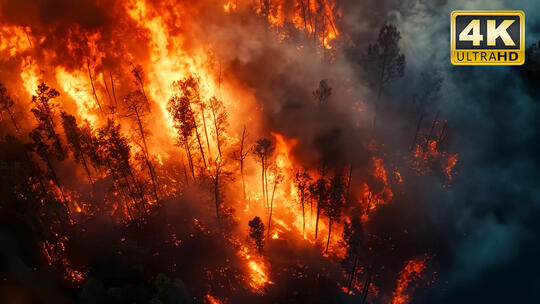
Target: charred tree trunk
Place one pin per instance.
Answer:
(83, 159)
(266, 180)
(216, 195)
(319, 202)
(199, 141)
(366, 288)
(348, 192)
(13, 119)
(303, 213)
(200, 147)
(271, 207)
(206, 133)
(57, 183)
(329, 232)
(118, 187)
(146, 156)
(190, 160)
(415, 139)
(112, 87)
(93, 88)
(242, 156)
(126, 180)
(138, 188)
(262, 183)
(353, 274)
(425, 146)
(370, 196)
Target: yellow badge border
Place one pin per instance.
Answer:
(521, 50)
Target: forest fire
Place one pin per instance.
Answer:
(152, 130)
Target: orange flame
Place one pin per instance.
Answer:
(410, 273)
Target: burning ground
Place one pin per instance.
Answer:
(301, 151)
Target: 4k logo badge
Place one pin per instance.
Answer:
(487, 37)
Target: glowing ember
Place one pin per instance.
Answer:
(411, 272)
(212, 300)
(257, 271)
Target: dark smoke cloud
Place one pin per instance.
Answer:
(481, 229)
(486, 218)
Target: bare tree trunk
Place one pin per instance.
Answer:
(303, 213)
(146, 156)
(13, 119)
(200, 146)
(113, 92)
(370, 196)
(57, 183)
(206, 133)
(262, 183)
(366, 288)
(321, 185)
(185, 173)
(271, 207)
(417, 130)
(304, 15)
(430, 134)
(139, 189)
(353, 274)
(87, 170)
(442, 135)
(242, 156)
(348, 193)
(117, 182)
(117, 187)
(190, 160)
(92, 84)
(107, 90)
(216, 194)
(218, 141)
(329, 232)
(266, 180)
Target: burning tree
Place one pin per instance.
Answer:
(256, 232)
(46, 141)
(138, 106)
(116, 153)
(187, 94)
(76, 141)
(353, 236)
(25, 198)
(241, 156)
(45, 111)
(216, 177)
(335, 203)
(184, 123)
(219, 118)
(6, 104)
(278, 178)
(263, 149)
(302, 180)
(319, 191)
